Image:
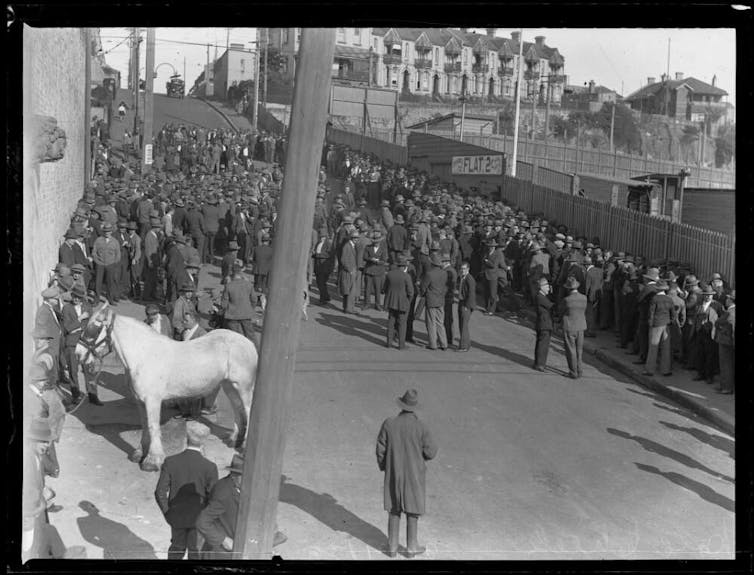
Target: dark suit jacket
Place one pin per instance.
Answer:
(494, 265)
(434, 286)
(72, 327)
(467, 292)
(218, 519)
(348, 257)
(185, 483)
(399, 290)
(239, 299)
(379, 252)
(544, 312)
(593, 286)
(70, 255)
(195, 223)
(573, 312)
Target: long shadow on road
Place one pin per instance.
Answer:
(116, 540)
(654, 447)
(706, 493)
(716, 441)
(349, 326)
(326, 509)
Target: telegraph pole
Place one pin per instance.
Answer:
(146, 157)
(255, 110)
(518, 100)
(547, 109)
(88, 106)
(206, 76)
(136, 83)
(266, 50)
(463, 114)
(265, 439)
(612, 128)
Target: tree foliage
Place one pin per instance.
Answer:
(724, 145)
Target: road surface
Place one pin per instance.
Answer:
(530, 466)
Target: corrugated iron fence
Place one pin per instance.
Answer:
(627, 230)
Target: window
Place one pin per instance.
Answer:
(357, 31)
(356, 37)
(243, 66)
(285, 35)
(341, 34)
(465, 56)
(405, 50)
(437, 56)
(376, 45)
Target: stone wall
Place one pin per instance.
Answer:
(53, 87)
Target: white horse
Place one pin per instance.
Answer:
(159, 369)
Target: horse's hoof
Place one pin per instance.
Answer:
(150, 464)
(136, 456)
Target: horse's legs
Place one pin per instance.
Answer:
(138, 454)
(155, 457)
(245, 393)
(237, 436)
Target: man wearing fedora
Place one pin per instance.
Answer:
(135, 263)
(217, 520)
(433, 288)
(404, 444)
(544, 324)
(661, 315)
(211, 214)
(494, 267)
(195, 223)
(183, 489)
(375, 260)
(397, 238)
(152, 258)
(706, 359)
(238, 303)
(466, 305)
(646, 294)
(573, 314)
(725, 336)
(106, 254)
(347, 273)
(226, 265)
(184, 304)
(324, 261)
(399, 292)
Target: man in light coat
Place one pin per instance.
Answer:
(404, 444)
(573, 310)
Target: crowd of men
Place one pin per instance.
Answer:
(386, 236)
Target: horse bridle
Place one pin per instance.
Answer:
(93, 348)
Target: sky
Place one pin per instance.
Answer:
(620, 59)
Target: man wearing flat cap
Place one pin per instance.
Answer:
(404, 445)
(106, 254)
(572, 312)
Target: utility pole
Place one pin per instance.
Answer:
(88, 106)
(255, 110)
(518, 101)
(463, 114)
(547, 109)
(146, 156)
(206, 75)
(265, 439)
(266, 50)
(137, 33)
(185, 80)
(534, 99)
(612, 128)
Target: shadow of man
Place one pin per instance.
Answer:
(116, 540)
(326, 509)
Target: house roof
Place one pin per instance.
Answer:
(452, 115)
(351, 52)
(693, 84)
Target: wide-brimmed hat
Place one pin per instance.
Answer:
(131, 226)
(236, 464)
(107, 227)
(400, 260)
(50, 292)
(652, 274)
(572, 283)
(707, 290)
(187, 286)
(690, 280)
(661, 285)
(78, 268)
(435, 260)
(715, 276)
(492, 242)
(194, 261)
(78, 291)
(409, 401)
(233, 245)
(152, 309)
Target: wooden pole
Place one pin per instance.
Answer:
(149, 99)
(265, 437)
(88, 106)
(519, 71)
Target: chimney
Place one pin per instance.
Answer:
(650, 80)
(491, 31)
(540, 40)
(516, 37)
(591, 86)
(663, 78)
(714, 80)
(679, 75)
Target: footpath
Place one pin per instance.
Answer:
(696, 396)
(239, 122)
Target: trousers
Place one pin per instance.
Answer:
(396, 319)
(109, 276)
(574, 348)
(727, 356)
(373, 286)
(542, 347)
(181, 539)
(464, 318)
(243, 326)
(435, 319)
(659, 340)
(448, 320)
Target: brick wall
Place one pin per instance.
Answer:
(53, 85)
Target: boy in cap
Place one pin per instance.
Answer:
(404, 444)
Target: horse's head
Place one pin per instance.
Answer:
(95, 341)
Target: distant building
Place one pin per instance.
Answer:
(234, 66)
(437, 62)
(451, 123)
(589, 98)
(682, 98)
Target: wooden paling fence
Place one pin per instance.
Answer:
(385, 150)
(621, 229)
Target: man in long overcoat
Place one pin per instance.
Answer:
(573, 312)
(404, 444)
(347, 274)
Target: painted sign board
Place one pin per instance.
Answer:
(485, 165)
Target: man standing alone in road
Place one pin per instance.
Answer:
(544, 324)
(404, 443)
(466, 305)
(185, 483)
(399, 291)
(434, 286)
(573, 310)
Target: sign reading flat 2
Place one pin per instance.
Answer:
(477, 165)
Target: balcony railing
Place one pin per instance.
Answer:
(531, 75)
(507, 71)
(422, 63)
(480, 68)
(392, 59)
(451, 68)
(557, 78)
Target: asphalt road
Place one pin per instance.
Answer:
(530, 465)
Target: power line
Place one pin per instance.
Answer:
(202, 44)
(129, 37)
